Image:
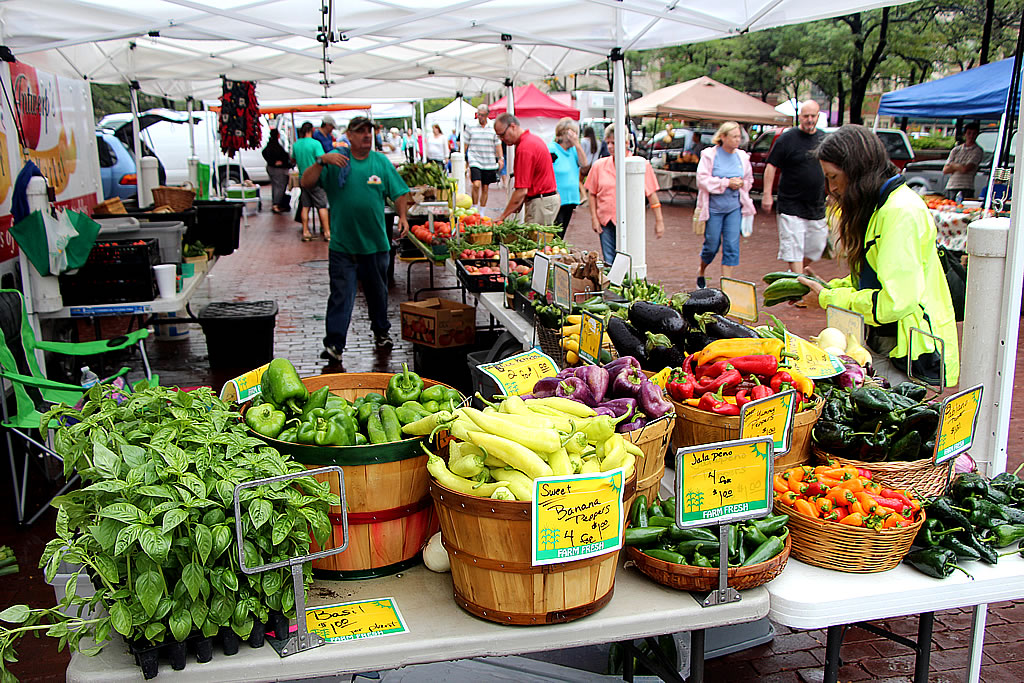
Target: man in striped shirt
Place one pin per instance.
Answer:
(483, 156)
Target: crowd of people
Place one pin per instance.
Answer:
(839, 187)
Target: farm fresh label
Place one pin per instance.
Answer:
(356, 620)
(576, 516)
(723, 482)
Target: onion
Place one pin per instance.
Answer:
(830, 336)
(435, 556)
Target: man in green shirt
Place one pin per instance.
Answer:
(359, 249)
(306, 150)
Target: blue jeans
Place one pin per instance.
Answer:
(722, 229)
(346, 272)
(608, 242)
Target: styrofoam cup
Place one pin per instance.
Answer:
(166, 276)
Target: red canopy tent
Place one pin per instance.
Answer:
(532, 103)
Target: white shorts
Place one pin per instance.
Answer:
(800, 238)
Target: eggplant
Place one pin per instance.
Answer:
(648, 317)
(853, 376)
(696, 340)
(626, 339)
(705, 300)
(662, 353)
(719, 327)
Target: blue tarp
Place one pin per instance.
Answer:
(976, 93)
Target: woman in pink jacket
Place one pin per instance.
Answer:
(724, 178)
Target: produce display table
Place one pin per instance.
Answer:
(676, 182)
(159, 305)
(516, 325)
(440, 631)
(839, 599)
(432, 260)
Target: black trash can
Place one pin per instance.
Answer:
(217, 225)
(239, 334)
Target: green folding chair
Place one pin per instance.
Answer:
(34, 394)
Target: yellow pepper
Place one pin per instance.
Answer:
(802, 383)
(731, 348)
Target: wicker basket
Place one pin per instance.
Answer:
(831, 545)
(687, 578)
(653, 439)
(923, 477)
(178, 198)
(479, 237)
(109, 207)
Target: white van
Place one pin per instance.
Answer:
(165, 131)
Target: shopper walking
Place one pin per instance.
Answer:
(483, 156)
(896, 280)
(325, 133)
(437, 146)
(570, 160)
(278, 164)
(534, 175)
(803, 233)
(306, 151)
(359, 249)
(600, 187)
(724, 179)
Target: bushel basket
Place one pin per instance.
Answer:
(923, 477)
(859, 550)
(689, 578)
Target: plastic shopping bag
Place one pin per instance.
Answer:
(747, 226)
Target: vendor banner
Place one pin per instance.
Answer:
(48, 120)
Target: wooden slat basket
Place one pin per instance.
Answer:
(178, 198)
(488, 544)
(653, 439)
(390, 513)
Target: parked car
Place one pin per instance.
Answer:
(165, 131)
(896, 142)
(926, 177)
(117, 166)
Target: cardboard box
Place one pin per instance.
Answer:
(438, 323)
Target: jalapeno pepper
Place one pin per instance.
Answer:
(639, 513)
(642, 537)
(766, 551)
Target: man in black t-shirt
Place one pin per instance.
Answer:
(803, 233)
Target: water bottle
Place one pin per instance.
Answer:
(959, 197)
(89, 378)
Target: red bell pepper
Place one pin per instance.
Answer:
(715, 403)
(762, 364)
(680, 389)
(760, 391)
(779, 379)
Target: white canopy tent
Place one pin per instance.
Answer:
(453, 116)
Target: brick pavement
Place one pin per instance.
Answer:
(272, 263)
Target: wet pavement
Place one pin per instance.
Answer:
(272, 263)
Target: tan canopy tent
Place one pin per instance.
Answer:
(706, 99)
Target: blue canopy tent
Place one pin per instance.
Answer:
(976, 93)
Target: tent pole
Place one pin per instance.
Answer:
(510, 107)
(622, 228)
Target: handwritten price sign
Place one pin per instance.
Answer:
(772, 416)
(591, 334)
(356, 620)
(812, 361)
(517, 374)
(723, 482)
(576, 517)
(957, 421)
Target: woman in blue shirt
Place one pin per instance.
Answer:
(724, 178)
(569, 161)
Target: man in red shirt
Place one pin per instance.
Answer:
(534, 173)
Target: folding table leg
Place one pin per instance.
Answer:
(697, 656)
(925, 622)
(833, 643)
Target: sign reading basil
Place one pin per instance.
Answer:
(356, 620)
(723, 482)
(576, 516)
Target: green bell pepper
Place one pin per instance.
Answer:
(431, 407)
(282, 386)
(290, 435)
(265, 419)
(327, 428)
(361, 439)
(389, 422)
(438, 393)
(374, 429)
(373, 397)
(404, 386)
(318, 399)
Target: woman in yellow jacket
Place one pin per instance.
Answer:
(896, 281)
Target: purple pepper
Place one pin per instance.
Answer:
(620, 406)
(602, 410)
(576, 389)
(652, 400)
(566, 373)
(545, 386)
(620, 365)
(628, 382)
(596, 378)
(638, 423)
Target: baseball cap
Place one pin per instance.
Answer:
(328, 120)
(358, 122)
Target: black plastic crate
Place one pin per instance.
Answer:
(489, 282)
(130, 252)
(123, 284)
(239, 334)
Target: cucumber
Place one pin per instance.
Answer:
(786, 289)
(778, 275)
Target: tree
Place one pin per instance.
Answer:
(112, 99)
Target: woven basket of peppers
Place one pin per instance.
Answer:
(687, 559)
(842, 519)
